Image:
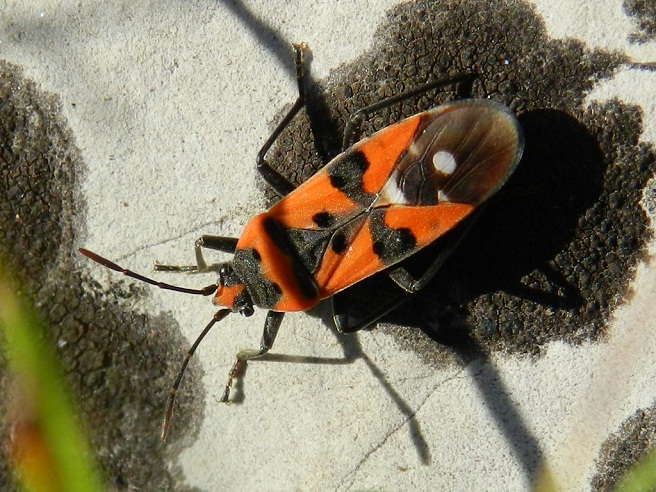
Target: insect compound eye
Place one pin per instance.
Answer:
(244, 304)
(227, 277)
(246, 311)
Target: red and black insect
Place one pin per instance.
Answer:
(373, 206)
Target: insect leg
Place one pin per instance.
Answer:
(219, 243)
(271, 325)
(340, 313)
(357, 119)
(281, 185)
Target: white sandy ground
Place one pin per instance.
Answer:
(171, 155)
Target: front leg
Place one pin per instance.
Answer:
(281, 185)
(218, 243)
(271, 326)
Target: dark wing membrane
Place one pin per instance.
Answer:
(490, 149)
(463, 152)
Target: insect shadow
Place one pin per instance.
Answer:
(521, 231)
(352, 351)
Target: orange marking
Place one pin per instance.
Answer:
(357, 263)
(338, 272)
(383, 149)
(315, 195)
(225, 296)
(427, 223)
(328, 276)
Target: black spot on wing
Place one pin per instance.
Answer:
(339, 243)
(344, 235)
(338, 181)
(345, 173)
(323, 219)
(390, 245)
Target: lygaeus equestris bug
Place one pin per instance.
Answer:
(371, 207)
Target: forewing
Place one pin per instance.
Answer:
(399, 190)
(461, 154)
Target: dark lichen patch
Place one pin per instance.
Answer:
(552, 256)
(644, 15)
(634, 439)
(118, 364)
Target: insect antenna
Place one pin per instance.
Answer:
(168, 414)
(205, 291)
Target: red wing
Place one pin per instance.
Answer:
(386, 237)
(348, 184)
(316, 204)
(398, 190)
(461, 154)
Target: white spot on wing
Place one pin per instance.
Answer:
(391, 193)
(442, 197)
(414, 149)
(444, 162)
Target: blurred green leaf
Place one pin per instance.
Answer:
(49, 450)
(640, 478)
